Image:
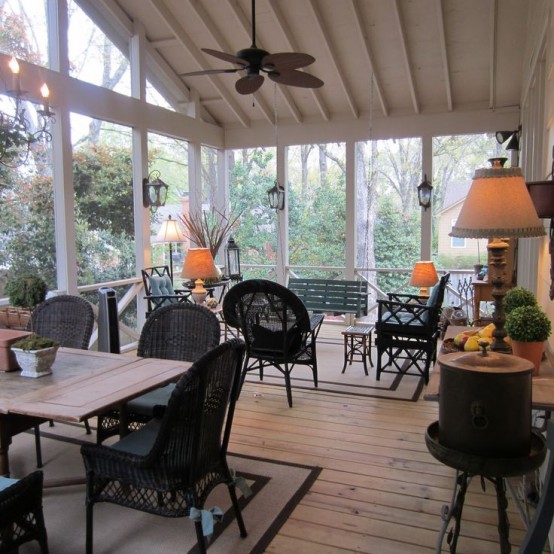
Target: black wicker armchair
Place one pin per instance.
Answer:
(407, 330)
(182, 332)
(21, 517)
(170, 466)
(276, 326)
(69, 320)
(158, 288)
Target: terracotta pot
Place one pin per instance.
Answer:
(531, 351)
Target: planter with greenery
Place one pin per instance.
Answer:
(35, 355)
(517, 297)
(528, 327)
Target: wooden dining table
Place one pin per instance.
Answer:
(82, 384)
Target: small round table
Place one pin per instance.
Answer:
(494, 470)
(357, 342)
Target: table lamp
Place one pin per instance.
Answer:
(424, 275)
(199, 264)
(170, 232)
(498, 206)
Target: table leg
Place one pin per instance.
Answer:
(503, 523)
(369, 349)
(364, 353)
(345, 353)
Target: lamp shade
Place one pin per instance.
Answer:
(170, 231)
(424, 274)
(498, 205)
(199, 264)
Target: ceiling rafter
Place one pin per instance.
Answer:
(492, 52)
(406, 57)
(444, 53)
(293, 45)
(246, 25)
(120, 22)
(361, 29)
(185, 41)
(332, 55)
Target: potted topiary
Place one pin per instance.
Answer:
(528, 327)
(517, 297)
(35, 355)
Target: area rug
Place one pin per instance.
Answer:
(277, 488)
(354, 381)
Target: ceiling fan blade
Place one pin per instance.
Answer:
(296, 79)
(249, 84)
(209, 72)
(285, 61)
(231, 58)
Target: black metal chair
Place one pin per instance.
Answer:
(21, 516)
(158, 288)
(170, 466)
(276, 326)
(182, 332)
(407, 330)
(69, 320)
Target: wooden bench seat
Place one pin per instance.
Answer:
(332, 296)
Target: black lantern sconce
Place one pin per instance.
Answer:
(276, 196)
(425, 193)
(512, 138)
(154, 191)
(232, 260)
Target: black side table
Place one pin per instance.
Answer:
(495, 470)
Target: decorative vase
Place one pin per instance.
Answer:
(531, 351)
(36, 363)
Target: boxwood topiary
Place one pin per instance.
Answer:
(26, 291)
(517, 297)
(528, 324)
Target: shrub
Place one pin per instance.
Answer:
(517, 297)
(528, 324)
(26, 291)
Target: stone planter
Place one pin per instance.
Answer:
(531, 351)
(35, 363)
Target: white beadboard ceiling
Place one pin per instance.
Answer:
(425, 56)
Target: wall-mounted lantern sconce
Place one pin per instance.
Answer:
(154, 191)
(512, 138)
(425, 193)
(276, 196)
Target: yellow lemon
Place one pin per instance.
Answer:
(472, 344)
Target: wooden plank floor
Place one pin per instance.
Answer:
(380, 490)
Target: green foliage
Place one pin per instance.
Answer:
(517, 297)
(26, 291)
(528, 324)
(34, 342)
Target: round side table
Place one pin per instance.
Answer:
(495, 470)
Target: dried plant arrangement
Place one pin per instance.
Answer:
(209, 229)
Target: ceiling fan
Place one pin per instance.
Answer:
(280, 68)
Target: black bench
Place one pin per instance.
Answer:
(332, 296)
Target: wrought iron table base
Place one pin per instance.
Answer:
(454, 511)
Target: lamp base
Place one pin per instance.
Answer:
(199, 293)
(424, 291)
(498, 249)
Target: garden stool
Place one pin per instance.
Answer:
(357, 342)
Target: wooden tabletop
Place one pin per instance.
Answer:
(84, 383)
(542, 385)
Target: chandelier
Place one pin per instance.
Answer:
(17, 132)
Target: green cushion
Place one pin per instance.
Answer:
(160, 285)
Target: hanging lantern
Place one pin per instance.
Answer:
(154, 192)
(424, 193)
(276, 196)
(232, 260)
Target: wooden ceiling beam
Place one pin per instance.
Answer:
(361, 29)
(195, 54)
(333, 57)
(444, 53)
(293, 45)
(406, 56)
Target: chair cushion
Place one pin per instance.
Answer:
(270, 340)
(145, 404)
(140, 442)
(160, 285)
(434, 296)
(6, 482)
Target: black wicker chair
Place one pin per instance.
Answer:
(170, 466)
(407, 330)
(158, 288)
(69, 320)
(276, 326)
(21, 517)
(176, 332)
